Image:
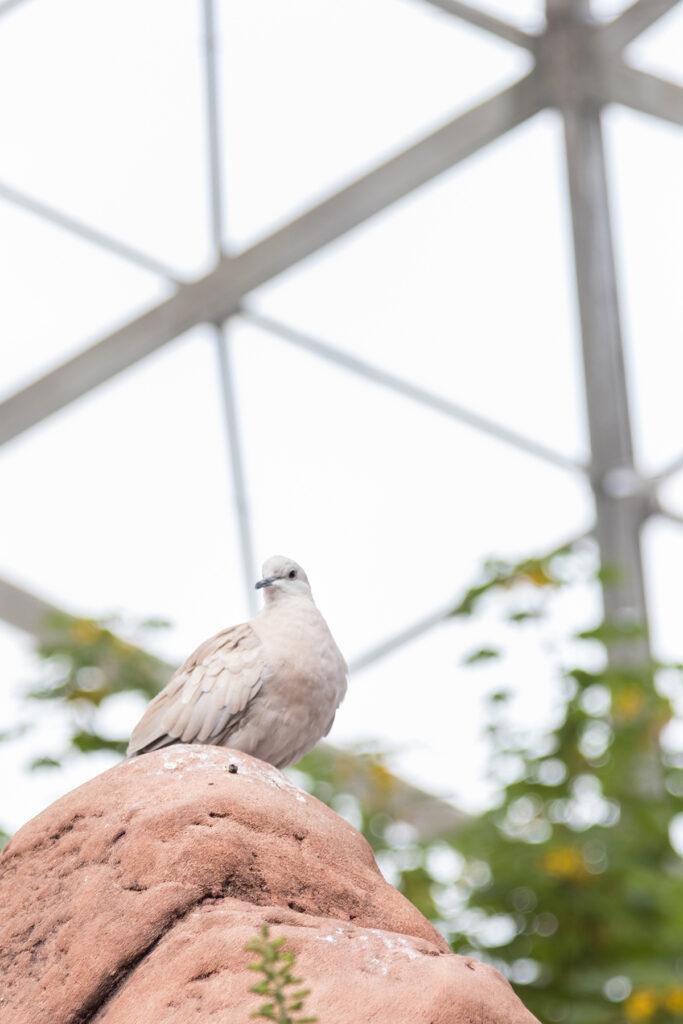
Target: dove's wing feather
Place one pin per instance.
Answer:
(205, 698)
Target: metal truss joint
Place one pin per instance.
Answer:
(570, 63)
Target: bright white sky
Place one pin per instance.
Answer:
(123, 501)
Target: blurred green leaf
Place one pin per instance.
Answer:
(88, 742)
(483, 654)
(45, 762)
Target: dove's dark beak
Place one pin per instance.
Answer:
(267, 582)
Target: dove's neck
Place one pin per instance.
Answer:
(279, 601)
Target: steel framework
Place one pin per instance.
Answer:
(579, 67)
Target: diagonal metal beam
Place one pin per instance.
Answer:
(631, 22)
(417, 394)
(398, 177)
(673, 467)
(668, 513)
(426, 624)
(217, 296)
(402, 638)
(87, 233)
(9, 5)
(644, 92)
(25, 610)
(487, 22)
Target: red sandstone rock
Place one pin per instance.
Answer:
(131, 899)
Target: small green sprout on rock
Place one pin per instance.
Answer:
(275, 964)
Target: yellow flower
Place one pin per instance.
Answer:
(538, 576)
(628, 704)
(381, 776)
(565, 862)
(674, 1001)
(641, 1005)
(85, 631)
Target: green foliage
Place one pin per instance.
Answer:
(570, 884)
(84, 665)
(275, 964)
(497, 574)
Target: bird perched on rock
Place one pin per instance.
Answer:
(269, 687)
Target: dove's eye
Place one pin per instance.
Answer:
(292, 574)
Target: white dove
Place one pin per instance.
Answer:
(269, 687)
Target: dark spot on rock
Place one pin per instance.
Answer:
(119, 835)
(69, 825)
(204, 974)
(232, 768)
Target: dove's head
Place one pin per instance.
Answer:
(282, 578)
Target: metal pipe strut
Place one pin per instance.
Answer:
(488, 22)
(621, 504)
(221, 336)
(644, 92)
(633, 21)
(422, 396)
(213, 127)
(235, 449)
(88, 233)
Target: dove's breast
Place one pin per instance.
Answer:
(306, 683)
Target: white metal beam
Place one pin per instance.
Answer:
(428, 399)
(631, 22)
(669, 513)
(673, 467)
(25, 610)
(488, 22)
(213, 126)
(237, 467)
(9, 5)
(88, 233)
(620, 503)
(644, 92)
(220, 332)
(217, 296)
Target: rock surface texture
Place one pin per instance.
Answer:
(131, 899)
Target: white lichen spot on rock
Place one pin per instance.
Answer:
(397, 944)
(374, 962)
(248, 768)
